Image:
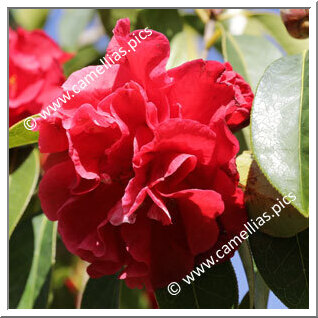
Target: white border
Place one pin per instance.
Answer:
(161, 312)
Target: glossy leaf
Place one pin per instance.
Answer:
(102, 293)
(216, 288)
(279, 127)
(272, 24)
(284, 265)
(261, 197)
(72, 24)
(32, 254)
(22, 183)
(184, 47)
(20, 136)
(249, 55)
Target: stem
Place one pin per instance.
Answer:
(208, 33)
(247, 260)
(261, 292)
(217, 33)
(203, 15)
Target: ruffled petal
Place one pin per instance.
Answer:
(199, 210)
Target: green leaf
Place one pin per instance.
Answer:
(261, 292)
(68, 268)
(193, 21)
(133, 298)
(216, 288)
(254, 27)
(72, 24)
(22, 183)
(31, 257)
(19, 135)
(260, 297)
(63, 298)
(166, 21)
(43, 260)
(184, 47)
(21, 246)
(109, 17)
(261, 197)
(104, 15)
(272, 23)
(249, 55)
(284, 266)
(84, 57)
(30, 19)
(33, 208)
(247, 260)
(243, 164)
(110, 292)
(279, 127)
(244, 138)
(102, 293)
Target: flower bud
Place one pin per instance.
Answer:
(296, 22)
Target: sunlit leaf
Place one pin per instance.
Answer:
(184, 47)
(280, 127)
(22, 183)
(30, 19)
(261, 196)
(249, 55)
(72, 24)
(19, 135)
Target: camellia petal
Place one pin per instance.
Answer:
(141, 176)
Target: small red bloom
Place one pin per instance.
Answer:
(141, 172)
(35, 73)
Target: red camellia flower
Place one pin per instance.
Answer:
(141, 172)
(35, 72)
